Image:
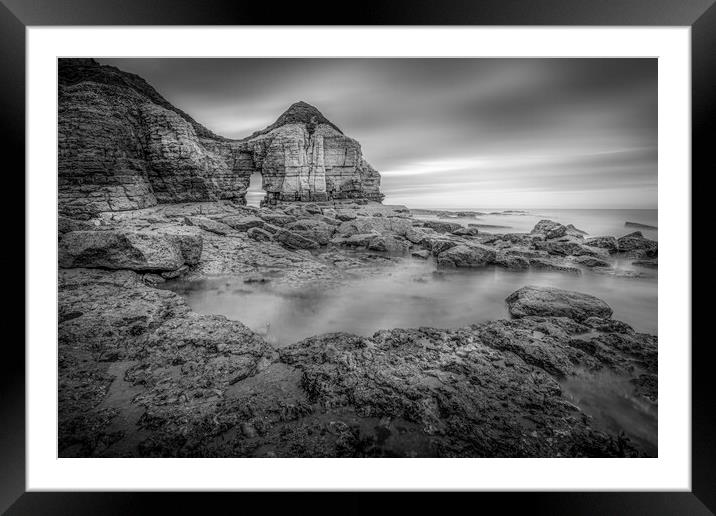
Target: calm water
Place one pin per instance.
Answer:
(408, 295)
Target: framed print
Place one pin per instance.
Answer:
(416, 252)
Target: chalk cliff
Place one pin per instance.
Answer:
(122, 146)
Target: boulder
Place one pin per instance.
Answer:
(591, 261)
(276, 218)
(442, 227)
(389, 243)
(555, 302)
(468, 231)
(603, 242)
(357, 240)
(467, 256)
(258, 234)
(293, 240)
(133, 250)
(549, 229)
(512, 262)
(313, 229)
(190, 243)
(575, 232)
(636, 242)
(416, 235)
(437, 244)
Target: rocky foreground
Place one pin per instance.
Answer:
(143, 375)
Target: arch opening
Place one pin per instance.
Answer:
(255, 192)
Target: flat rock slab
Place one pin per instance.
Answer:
(555, 302)
(133, 250)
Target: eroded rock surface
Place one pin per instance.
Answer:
(122, 146)
(555, 302)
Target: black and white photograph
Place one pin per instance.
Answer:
(357, 257)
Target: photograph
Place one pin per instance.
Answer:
(297, 257)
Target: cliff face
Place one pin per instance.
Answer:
(304, 157)
(122, 146)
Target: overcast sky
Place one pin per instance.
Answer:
(468, 133)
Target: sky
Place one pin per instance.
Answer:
(451, 133)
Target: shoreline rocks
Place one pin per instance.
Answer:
(142, 375)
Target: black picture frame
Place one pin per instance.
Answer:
(17, 15)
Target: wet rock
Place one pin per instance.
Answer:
(66, 224)
(313, 229)
(176, 273)
(189, 241)
(421, 254)
(356, 240)
(548, 301)
(277, 218)
(468, 231)
(637, 242)
(590, 261)
(240, 223)
(389, 243)
(383, 225)
(208, 224)
(456, 386)
(604, 242)
(268, 227)
(441, 226)
(608, 325)
(259, 234)
(438, 244)
(345, 215)
(467, 256)
(152, 279)
(646, 385)
(570, 248)
(512, 262)
(544, 264)
(575, 232)
(294, 241)
(549, 229)
(417, 235)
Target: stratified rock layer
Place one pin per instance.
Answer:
(122, 146)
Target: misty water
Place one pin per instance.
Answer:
(414, 292)
(410, 294)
